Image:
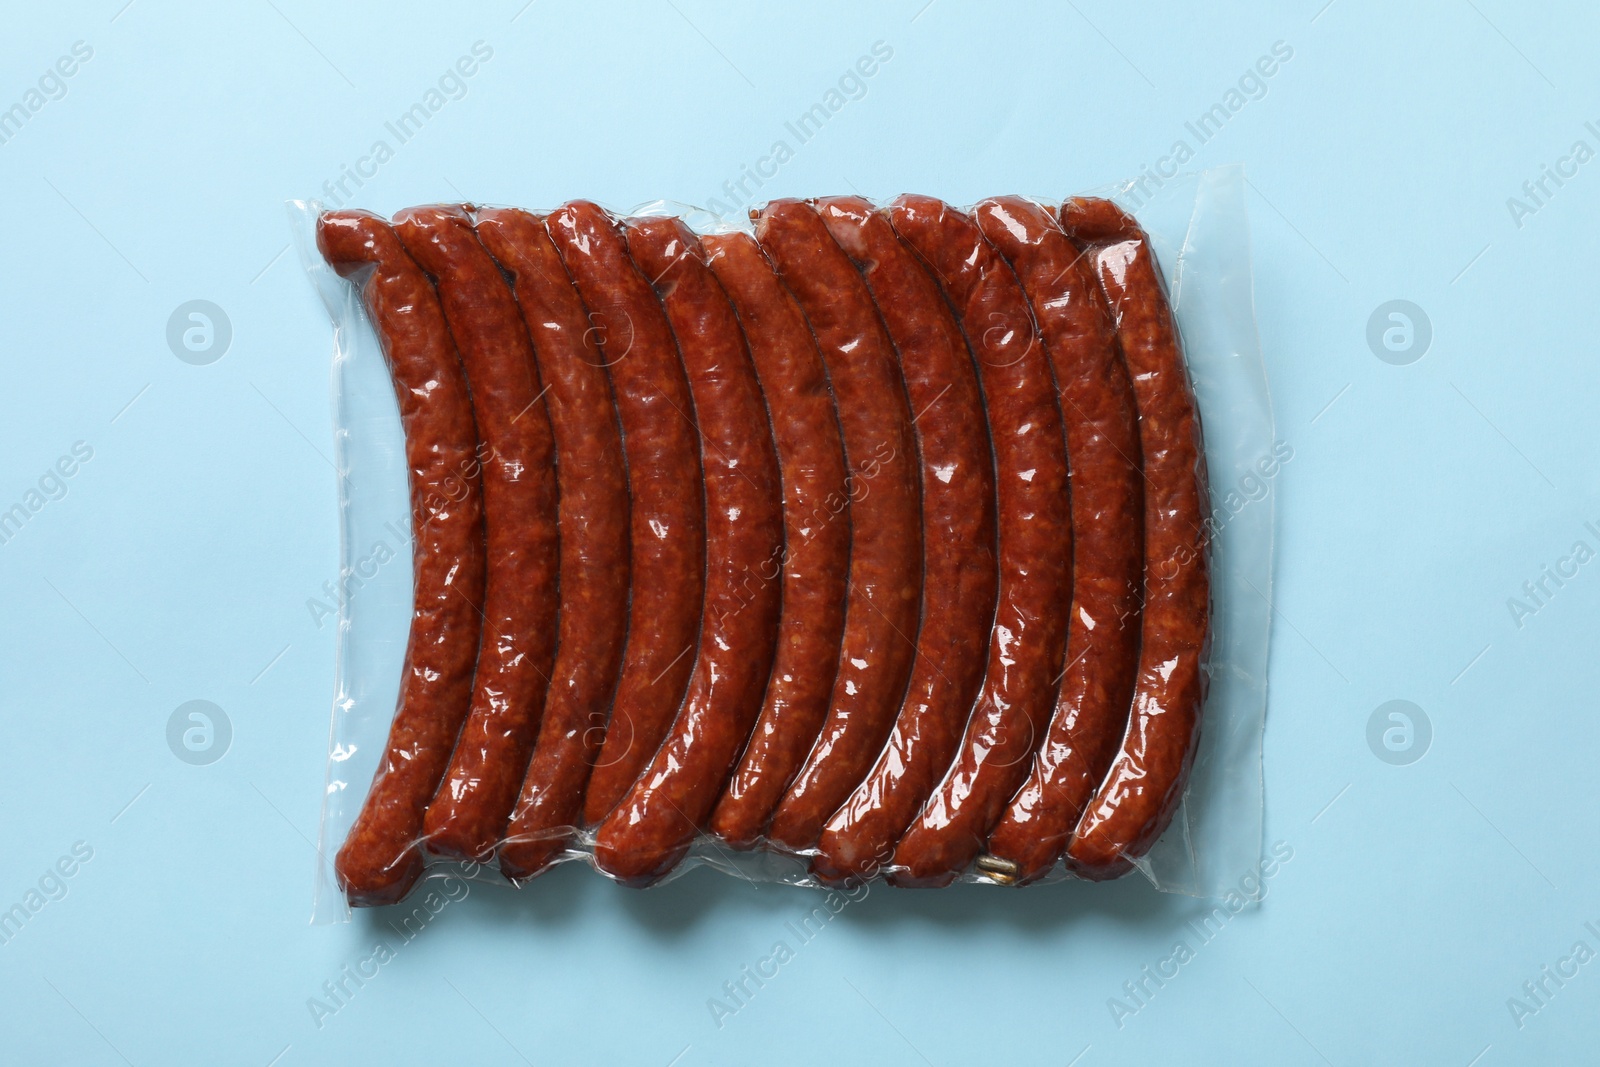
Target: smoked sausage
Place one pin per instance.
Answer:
(468, 815)
(816, 555)
(960, 573)
(652, 828)
(1028, 642)
(883, 607)
(380, 859)
(593, 484)
(668, 514)
(1103, 458)
(1142, 789)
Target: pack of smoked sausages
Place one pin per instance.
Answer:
(876, 537)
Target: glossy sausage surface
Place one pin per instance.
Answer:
(884, 603)
(668, 514)
(960, 573)
(595, 564)
(1027, 646)
(653, 826)
(814, 567)
(1103, 456)
(469, 813)
(381, 859)
(1145, 783)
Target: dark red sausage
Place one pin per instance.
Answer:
(594, 509)
(668, 516)
(1107, 537)
(960, 574)
(816, 557)
(1025, 654)
(468, 815)
(1145, 783)
(380, 859)
(884, 604)
(649, 832)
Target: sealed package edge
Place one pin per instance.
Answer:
(849, 541)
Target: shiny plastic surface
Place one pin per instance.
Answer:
(1199, 238)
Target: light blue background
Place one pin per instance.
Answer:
(1419, 898)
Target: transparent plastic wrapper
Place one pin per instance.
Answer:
(1198, 229)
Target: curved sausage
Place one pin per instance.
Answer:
(468, 815)
(594, 508)
(668, 516)
(1145, 783)
(1107, 537)
(380, 860)
(1025, 654)
(649, 832)
(816, 554)
(883, 606)
(960, 574)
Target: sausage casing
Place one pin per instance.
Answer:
(1026, 648)
(960, 573)
(595, 565)
(1142, 789)
(468, 815)
(884, 602)
(1103, 457)
(668, 514)
(380, 859)
(816, 555)
(651, 829)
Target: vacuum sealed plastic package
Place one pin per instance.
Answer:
(846, 541)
